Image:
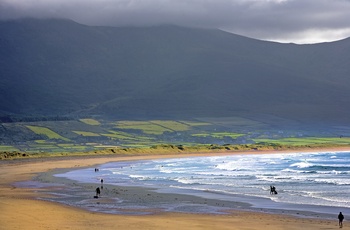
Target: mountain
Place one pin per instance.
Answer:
(59, 67)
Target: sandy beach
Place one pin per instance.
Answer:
(24, 208)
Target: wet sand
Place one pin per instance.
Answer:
(25, 207)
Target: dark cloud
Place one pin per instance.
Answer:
(280, 20)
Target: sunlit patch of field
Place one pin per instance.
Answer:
(195, 123)
(86, 134)
(146, 127)
(47, 132)
(89, 121)
(219, 135)
(306, 141)
(41, 141)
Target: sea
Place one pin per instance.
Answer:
(316, 182)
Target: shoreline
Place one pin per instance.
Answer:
(118, 197)
(13, 195)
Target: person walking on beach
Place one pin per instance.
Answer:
(340, 218)
(98, 191)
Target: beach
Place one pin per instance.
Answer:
(26, 207)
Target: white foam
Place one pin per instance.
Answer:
(335, 181)
(301, 165)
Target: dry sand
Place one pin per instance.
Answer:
(21, 209)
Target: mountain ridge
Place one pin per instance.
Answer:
(50, 67)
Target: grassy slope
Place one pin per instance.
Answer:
(61, 67)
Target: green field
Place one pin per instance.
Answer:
(46, 132)
(123, 136)
(89, 121)
(195, 123)
(89, 134)
(172, 125)
(86, 134)
(53, 147)
(158, 127)
(146, 127)
(41, 141)
(8, 148)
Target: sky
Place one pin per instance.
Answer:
(296, 21)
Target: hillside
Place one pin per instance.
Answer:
(59, 67)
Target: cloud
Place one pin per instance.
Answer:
(278, 20)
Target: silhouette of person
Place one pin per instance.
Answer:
(340, 218)
(98, 191)
(101, 183)
(273, 190)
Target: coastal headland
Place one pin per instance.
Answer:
(24, 207)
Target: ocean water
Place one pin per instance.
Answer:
(301, 179)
